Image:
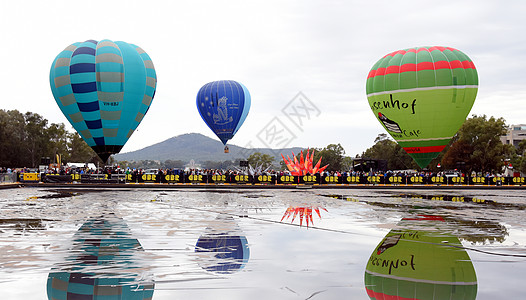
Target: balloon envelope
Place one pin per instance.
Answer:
(104, 89)
(420, 263)
(223, 248)
(224, 106)
(422, 96)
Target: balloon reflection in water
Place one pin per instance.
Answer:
(418, 263)
(102, 265)
(304, 212)
(223, 248)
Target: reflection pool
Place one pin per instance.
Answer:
(169, 243)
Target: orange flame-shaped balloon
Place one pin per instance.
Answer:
(305, 164)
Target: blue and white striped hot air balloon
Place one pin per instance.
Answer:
(104, 89)
(224, 106)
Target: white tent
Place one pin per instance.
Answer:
(82, 165)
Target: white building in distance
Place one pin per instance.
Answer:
(516, 134)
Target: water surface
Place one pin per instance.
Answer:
(262, 244)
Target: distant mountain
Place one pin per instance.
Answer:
(198, 147)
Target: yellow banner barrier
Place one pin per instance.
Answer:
(30, 177)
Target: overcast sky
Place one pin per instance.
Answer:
(277, 49)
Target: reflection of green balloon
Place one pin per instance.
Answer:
(416, 264)
(422, 96)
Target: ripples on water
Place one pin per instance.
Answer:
(261, 244)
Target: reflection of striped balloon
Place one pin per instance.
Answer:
(428, 92)
(102, 265)
(420, 264)
(104, 89)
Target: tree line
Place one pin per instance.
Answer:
(26, 138)
(332, 155)
(476, 147)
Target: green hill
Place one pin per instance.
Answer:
(198, 147)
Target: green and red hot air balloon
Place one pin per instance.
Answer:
(422, 96)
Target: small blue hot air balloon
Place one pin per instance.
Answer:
(224, 106)
(104, 89)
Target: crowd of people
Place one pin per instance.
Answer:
(238, 171)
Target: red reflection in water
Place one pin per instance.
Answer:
(425, 218)
(304, 212)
